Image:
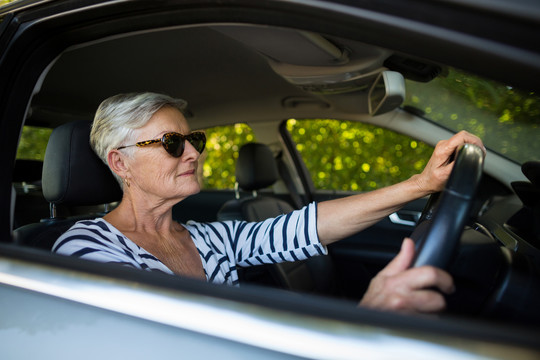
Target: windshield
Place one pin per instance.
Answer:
(507, 119)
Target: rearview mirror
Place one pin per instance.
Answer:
(386, 93)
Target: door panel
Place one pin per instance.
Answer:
(358, 258)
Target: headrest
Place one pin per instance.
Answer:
(72, 173)
(256, 167)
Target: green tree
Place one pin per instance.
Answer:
(507, 119)
(33, 143)
(219, 158)
(351, 156)
(4, 2)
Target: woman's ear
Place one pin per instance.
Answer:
(117, 163)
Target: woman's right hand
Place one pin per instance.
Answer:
(400, 288)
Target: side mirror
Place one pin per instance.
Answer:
(386, 93)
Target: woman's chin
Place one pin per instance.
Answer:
(192, 189)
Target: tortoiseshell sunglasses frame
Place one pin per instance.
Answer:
(197, 135)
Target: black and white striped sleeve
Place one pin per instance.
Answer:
(288, 237)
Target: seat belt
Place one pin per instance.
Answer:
(287, 179)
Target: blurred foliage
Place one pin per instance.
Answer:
(507, 119)
(342, 155)
(223, 143)
(33, 143)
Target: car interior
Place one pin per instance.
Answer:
(263, 76)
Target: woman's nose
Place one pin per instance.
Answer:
(190, 151)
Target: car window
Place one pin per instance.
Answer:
(507, 119)
(30, 205)
(351, 156)
(217, 163)
(5, 2)
(33, 142)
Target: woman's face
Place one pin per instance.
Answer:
(158, 175)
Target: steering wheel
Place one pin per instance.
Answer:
(446, 213)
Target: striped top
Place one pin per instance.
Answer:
(222, 246)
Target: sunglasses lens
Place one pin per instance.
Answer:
(197, 140)
(173, 143)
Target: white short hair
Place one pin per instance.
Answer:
(118, 116)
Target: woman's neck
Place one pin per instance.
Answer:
(143, 216)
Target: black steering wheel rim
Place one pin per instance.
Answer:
(440, 227)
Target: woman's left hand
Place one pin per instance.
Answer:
(434, 176)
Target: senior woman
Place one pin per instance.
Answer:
(146, 142)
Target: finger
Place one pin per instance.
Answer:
(402, 261)
(470, 138)
(429, 276)
(464, 137)
(426, 301)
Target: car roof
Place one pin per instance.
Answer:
(240, 72)
(227, 73)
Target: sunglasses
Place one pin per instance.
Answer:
(175, 143)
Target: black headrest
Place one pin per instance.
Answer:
(72, 173)
(256, 167)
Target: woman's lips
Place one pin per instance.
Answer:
(188, 173)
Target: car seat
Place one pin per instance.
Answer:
(72, 175)
(256, 169)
